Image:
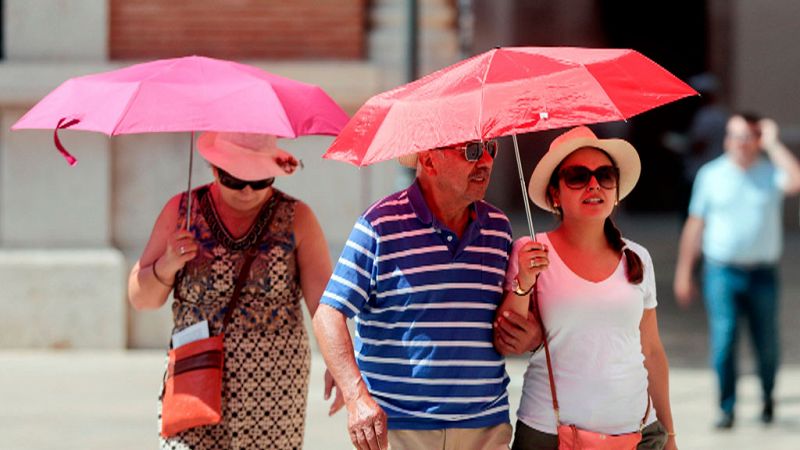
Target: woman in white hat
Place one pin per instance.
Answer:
(266, 349)
(596, 301)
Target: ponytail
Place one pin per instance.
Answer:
(634, 269)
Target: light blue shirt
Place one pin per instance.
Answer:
(742, 210)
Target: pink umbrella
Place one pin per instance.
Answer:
(190, 94)
(193, 93)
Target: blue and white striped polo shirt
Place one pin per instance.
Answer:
(424, 303)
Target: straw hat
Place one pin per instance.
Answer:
(622, 153)
(246, 156)
(409, 160)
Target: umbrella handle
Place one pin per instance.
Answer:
(524, 191)
(61, 125)
(189, 186)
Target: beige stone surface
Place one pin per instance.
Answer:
(43, 201)
(388, 40)
(62, 299)
(55, 30)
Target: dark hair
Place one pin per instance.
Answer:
(634, 268)
(752, 119)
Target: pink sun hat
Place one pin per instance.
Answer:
(246, 156)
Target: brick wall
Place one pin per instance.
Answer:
(238, 29)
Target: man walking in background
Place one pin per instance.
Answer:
(735, 221)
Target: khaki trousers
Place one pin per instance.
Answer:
(497, 437)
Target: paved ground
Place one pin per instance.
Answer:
(100, 400)
(90, 400)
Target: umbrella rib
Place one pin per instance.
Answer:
(139, 83)
(528, 107)
(608, 95)
(483, 94)
(127, 108)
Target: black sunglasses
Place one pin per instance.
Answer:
(578, 177)
(473, 151)
(231, 182)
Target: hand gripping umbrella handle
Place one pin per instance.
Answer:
(61, 125)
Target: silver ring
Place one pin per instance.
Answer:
(182, 250)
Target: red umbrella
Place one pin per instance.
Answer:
(506, 91)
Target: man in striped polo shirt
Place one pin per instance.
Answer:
(422, 273)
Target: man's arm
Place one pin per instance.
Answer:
(688, 254)
(783, 159)
(515, 334)
(366, 421)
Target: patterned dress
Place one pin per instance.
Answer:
(267, 358)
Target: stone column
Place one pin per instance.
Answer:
(437, 40)
(63, 281)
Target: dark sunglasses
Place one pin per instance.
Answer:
(473, 151)
(231, 182)
(578, 177)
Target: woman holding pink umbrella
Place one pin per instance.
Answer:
(266, 349)
(602, 379)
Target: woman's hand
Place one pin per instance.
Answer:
(181, 248)
(532, 259)
(338, 400)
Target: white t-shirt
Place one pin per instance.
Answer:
(595, 346)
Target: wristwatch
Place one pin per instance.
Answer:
(518, 291)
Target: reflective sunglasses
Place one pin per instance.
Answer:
(473, 151)
(231, 182)
(578, 177)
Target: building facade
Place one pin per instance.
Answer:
(68, 236)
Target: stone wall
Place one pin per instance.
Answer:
(69, 235)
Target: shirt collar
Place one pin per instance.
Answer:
(479, 211)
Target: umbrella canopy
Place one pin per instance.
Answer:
(190, 94)
(193, 93)
(505, 91)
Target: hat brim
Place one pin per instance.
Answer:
(409, 160)
(243, 163)
(622, 152)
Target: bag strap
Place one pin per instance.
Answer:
(250, 256)
(538, 315)
(244, 272)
